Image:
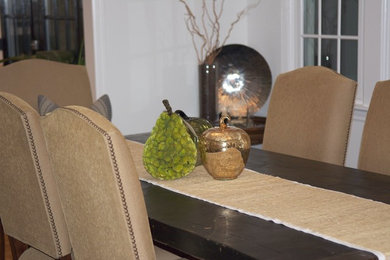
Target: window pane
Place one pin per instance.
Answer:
(21, 8)
(73, 36)
(310, 52)
(329, 53)
(61, 34)
(329, 17)
(50, 7)
(348, 62)
(23, 31)
(349, 17)
(72, 8)
(310, 17)
(62, 8)
(17, 27)
(52, 43)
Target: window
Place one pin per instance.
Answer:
(31, 26)
(61, 24)
(330, 35)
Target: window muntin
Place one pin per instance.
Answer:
(331, 39)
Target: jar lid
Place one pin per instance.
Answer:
(224, 132)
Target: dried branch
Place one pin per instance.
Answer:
(193, 28)
(204, 13)
(193, 39)
(206, 37)
(239, 15)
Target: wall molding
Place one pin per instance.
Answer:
(89, 44)
(99, 45)
(359, 100)
(359, 113)
(385, 40)
(289, 31)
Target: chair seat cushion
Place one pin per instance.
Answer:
(162, 254)
(34, 254)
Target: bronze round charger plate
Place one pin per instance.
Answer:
(243, 80)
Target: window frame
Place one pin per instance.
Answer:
(319, 36)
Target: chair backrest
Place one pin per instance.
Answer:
(99, 187)
(30, 207)
(309, 114)
(65, 84)
(375, 146)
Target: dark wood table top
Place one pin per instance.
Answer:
(207, 231)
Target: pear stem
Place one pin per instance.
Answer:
(167, 106)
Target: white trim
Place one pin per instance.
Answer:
(288, 35)
(359, 113)
(299, 34)
(338, 36)
(98, 28)
(360, 78)
(385, 41)
(388, 40)
(326, 36)
(89, 44)
(319, 42)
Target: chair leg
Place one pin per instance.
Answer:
(17, 247)
(2, 242)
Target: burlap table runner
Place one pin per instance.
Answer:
(336, 216)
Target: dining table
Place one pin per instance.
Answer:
(201, 228)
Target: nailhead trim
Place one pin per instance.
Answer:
(349, 128)
(39, 170)
(117, 176)
(350, 120)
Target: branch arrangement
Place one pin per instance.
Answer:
(206, 32)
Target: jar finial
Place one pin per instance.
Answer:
(224, 120)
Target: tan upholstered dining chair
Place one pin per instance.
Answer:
(64, 84)
(99, 187)
(309, 114)
(375, 146)
(30, 208)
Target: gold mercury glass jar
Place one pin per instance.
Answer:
(224, 150)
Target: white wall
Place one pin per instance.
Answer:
(265, 36)
(143, 54)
